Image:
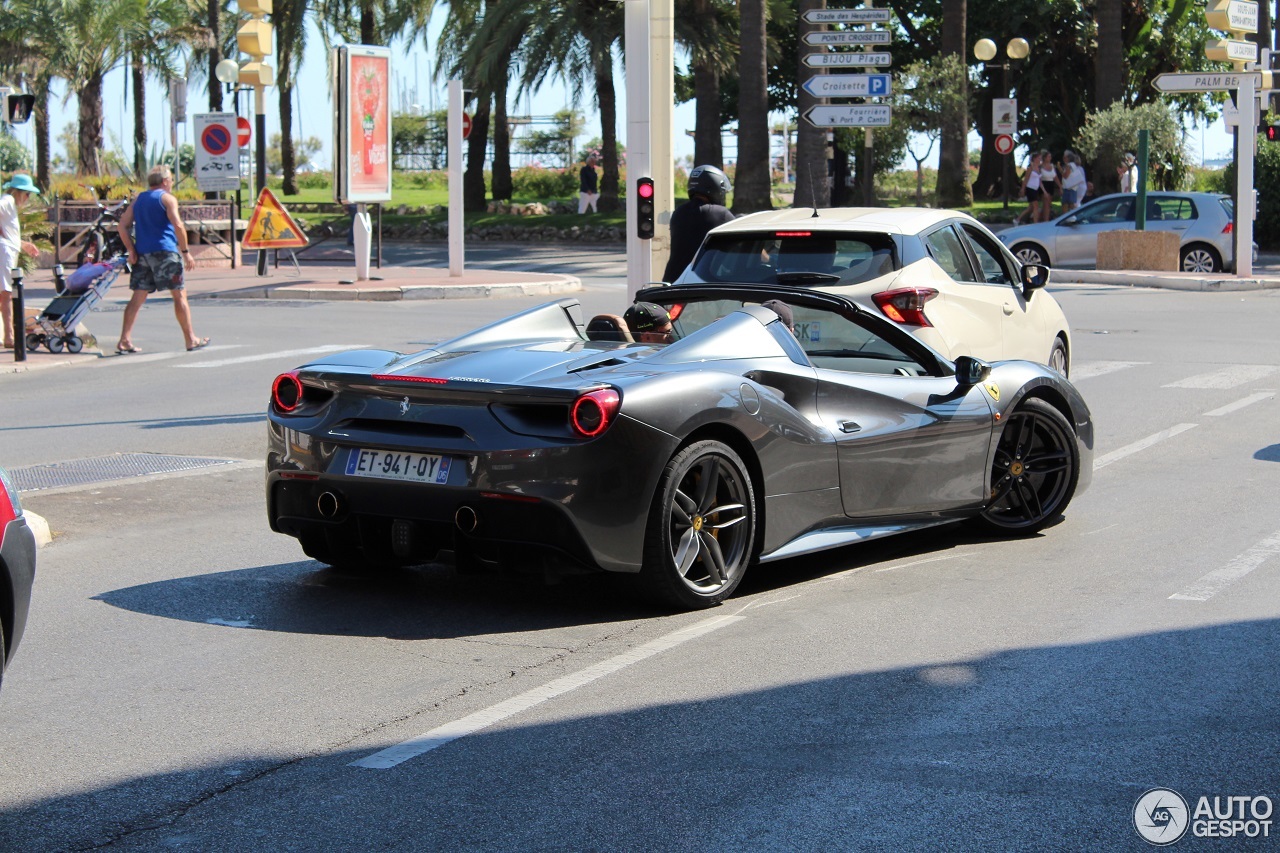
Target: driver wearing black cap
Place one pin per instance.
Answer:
(649, 323)
(691, 221)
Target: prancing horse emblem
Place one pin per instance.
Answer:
(404, 406)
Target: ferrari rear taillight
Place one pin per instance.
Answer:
(594, 411)
(905, 305)
(286, 391)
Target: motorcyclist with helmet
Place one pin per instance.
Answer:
(691, 221)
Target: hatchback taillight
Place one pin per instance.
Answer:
(905, 305)
(1228, 228)
(592, 412)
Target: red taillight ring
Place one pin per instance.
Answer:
(286, 392)
(593, 412)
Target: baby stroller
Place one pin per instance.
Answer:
(55, 328)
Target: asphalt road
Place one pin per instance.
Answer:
(190, 680)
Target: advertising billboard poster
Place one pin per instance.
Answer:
(364, 144)
(1004, 116)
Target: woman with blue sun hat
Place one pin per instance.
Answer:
(18, 190)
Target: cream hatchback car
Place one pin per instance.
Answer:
(939, 274)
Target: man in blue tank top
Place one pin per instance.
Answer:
(159, 255)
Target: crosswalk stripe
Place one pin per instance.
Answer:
(1240, 404)
(1090, 369)
(1227, 377)
(1141, 444)
(265, 356)
(1216, 581)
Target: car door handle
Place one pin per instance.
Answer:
(1008, 309)
(850, 426)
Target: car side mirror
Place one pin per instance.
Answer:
(970, 370)
(1034, 277)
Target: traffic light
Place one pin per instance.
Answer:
(254, 38)
(17, 108)
(644, 208)
(1272, 132)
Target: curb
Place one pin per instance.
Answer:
(1174, 281)
(394, 293)
(39, 527)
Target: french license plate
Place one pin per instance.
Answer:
(395, 465)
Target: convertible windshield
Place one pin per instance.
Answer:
(795, 257)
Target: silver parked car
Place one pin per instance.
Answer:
(1205, 221)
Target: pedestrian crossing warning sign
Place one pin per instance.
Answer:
(271, 226)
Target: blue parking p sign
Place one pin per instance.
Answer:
(877, 84)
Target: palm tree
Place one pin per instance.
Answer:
(290, 21)
(159, 31)
(23, 57)
(708, 28)
(572, 39)
(752, 185)
(1109, 70)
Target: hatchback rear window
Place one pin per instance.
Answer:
(796, 257)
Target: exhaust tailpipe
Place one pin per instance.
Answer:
(328, 505)
(466, 519)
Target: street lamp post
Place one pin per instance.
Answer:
(228, 73)
(985, 50)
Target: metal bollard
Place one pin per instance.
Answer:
(19, 319)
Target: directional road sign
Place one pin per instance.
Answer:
(849, 85)
(1206, 81)
(855, 115)
(853, 59)
(1230, 50)
(1237, 16)
(868, 37)
(847, 16)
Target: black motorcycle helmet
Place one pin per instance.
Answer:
(710, 182)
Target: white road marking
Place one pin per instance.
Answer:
(1218, 580)
(1141, 444)
(1227, 377)
(264, 356)
(147, 357)
(472, 723)
(1090, 369)
(919, 562)
(1240, 404)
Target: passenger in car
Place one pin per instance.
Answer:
(649, 323)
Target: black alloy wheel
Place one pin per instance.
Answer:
(1036, 468)
(701, 531)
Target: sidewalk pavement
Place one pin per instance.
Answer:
(332, 281)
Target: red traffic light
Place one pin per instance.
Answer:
(645, 189)
(1273, 132)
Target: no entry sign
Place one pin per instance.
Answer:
(243, 131)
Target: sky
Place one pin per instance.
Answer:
(413, 68)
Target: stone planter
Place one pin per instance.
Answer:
(1139, 250)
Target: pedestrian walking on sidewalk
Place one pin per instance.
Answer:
(20, 188)
(159, 254)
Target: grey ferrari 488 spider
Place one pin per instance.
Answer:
(546, 442)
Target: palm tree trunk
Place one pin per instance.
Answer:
(501, 141)
(1109, 60)
(608, 101)
(751, 186)
(708, 149)
(89, 97)
(137, 74)
(953, 152)
(212, 9)
(473, 194)
(42, 137)
(811, 142)
(288, 163)
(368, 26)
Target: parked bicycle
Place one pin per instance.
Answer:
(95, 240)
